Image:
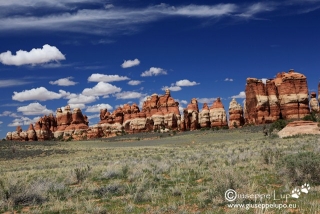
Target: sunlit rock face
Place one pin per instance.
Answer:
(314, 104)
(95, 131)
(191, 116)
(77, 117)
(235, 114)
(218, 116)
(31, 133)
(274, 103)
(9, 136)
(42, 130)
(204, 117)
(284, 97)
(293, 95)
(257, 102)
(64, 117)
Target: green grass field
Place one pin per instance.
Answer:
(159, 173)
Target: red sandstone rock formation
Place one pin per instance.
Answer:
(78, 117)
(298, 128)
(32, 136)
(18, 135)
(235, 114)
(285, 96)
(95, 132)
(293, 95)
(64, 119)
(190, 116)
(314, 104)
(42, 130)
(18, 129)
(273, 100)
(218, 116)
(204, 117)
(257, 105)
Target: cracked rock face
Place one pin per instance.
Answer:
(284, 97)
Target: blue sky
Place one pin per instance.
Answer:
(97, 53)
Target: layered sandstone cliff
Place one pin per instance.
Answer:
(236, 118)
(190, 119)
(65, 124)
(157, 113)
(204, 117)
(284, 97)
(218, 116)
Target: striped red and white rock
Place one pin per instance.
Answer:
(218, 116)
(293, 95)
(204, 117)
(190, 116)
(285, 97)
(235, 114)
(257, 102)
(299, 128)
(32, 136)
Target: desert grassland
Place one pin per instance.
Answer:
(180, 173)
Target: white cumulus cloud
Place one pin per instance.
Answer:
(101, 89)
(36, 56)
(34, 109)
(206, 100)
(63, 82)
(154, 72)
(23, 121)
(182, 101)
(228, 80)
(171, 88)
(41, 94)
(129, 95)
(186, 82)
(82, 99)
(106, 78)
(134, 82)
(130, 63)
(93, 116)
(77, 105)
(8, 114)
(242, 94)
(96, 108)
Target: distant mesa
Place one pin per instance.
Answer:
(284, 97)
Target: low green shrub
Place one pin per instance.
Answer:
(311, 117)
(278, 125)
